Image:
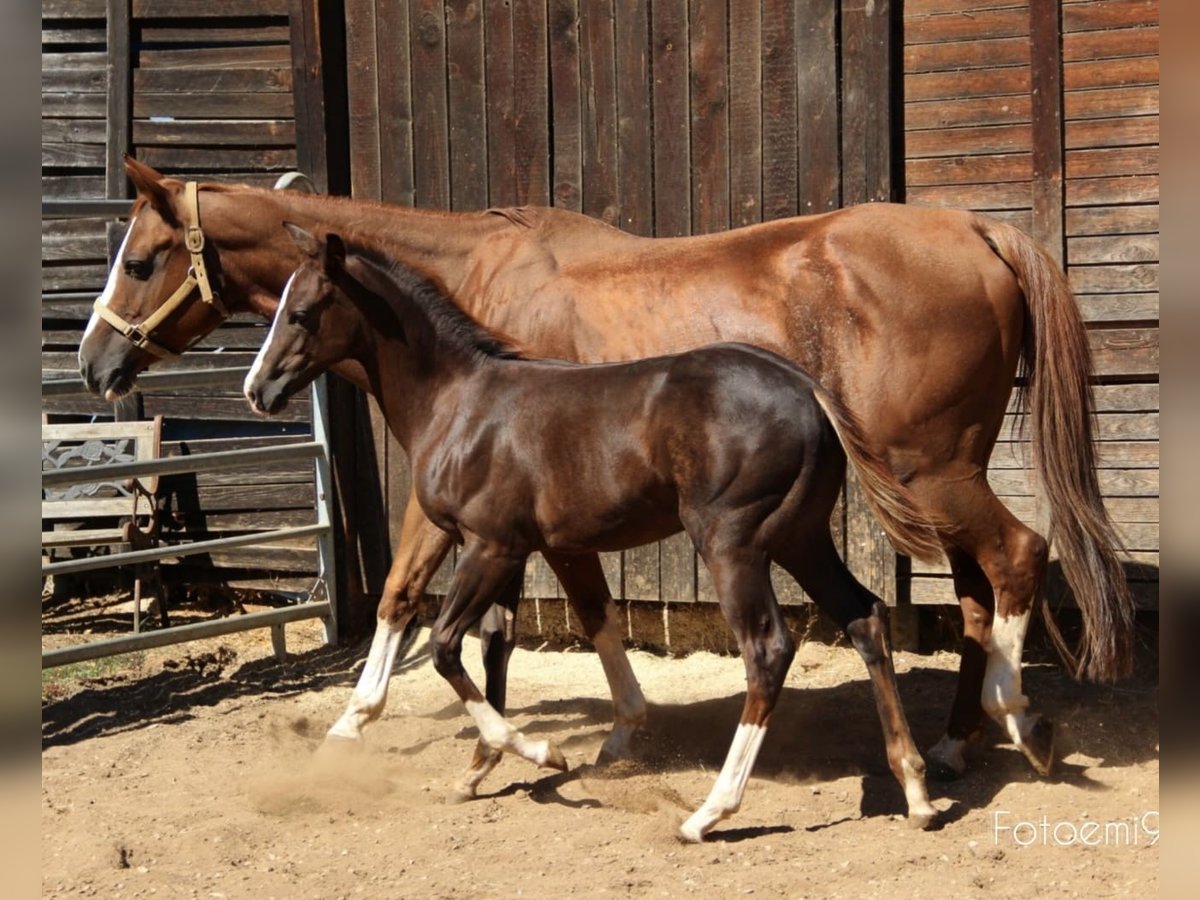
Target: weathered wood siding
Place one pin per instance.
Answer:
(1045, 114)
(669, 118)
(200, 91)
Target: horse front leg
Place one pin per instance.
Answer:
(583, 581)
(422, 548)
(483, 575)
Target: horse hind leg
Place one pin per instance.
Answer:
(998, 565)
(587, 591)
(421, 550)
(748, 602)
(864, 618)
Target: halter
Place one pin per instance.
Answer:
(142, 334)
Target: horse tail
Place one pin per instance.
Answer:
(1056, 395)
(893, 505)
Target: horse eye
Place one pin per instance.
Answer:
(299, 317)
(141, 269)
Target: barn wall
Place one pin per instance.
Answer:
(200, 91)
(1046, 115)
(665, 118)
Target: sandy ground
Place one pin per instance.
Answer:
(190, 772)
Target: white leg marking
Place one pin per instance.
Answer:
(726, 794)
(258, 360)
(1002, 697)
(110, 287)
(499, 734)
(370, 694)
(629, 705)
(920, 811)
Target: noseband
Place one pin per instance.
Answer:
(142, 334)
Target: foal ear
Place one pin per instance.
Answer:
(307, 243)
(149, 184)
(334, 256)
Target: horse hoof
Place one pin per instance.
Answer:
(690, 834)
(1038, 746)
(335, 746)
(555, 759)
(461, 793)
(922, 821)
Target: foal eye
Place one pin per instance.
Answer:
(141, 269)
(299, 317)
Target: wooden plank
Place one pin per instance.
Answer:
(1107, 73)
(973, 111)
(1141, 219)
(213, 106)
(465, 106)
(1106, 191)
(745, 111)
(216, 132)
(233, 158)
(254, 57)
(635, 165)
(1045, 59)
(916, 8)
(1106, 103)
(1110, 454)
(214, 34)
(963, 84)
(1119, 426)
(1125, 351)
(818, 153)
(966, 55)
(73, 131)
(990, 168)
(273, 79)
(1112, 132)
(672, 146)
(74, 105)
(597, 68)
(967, 141)
(1123, 308)
(780, 128)
(966, 25)
(499, 71)
(1108, 14)
(1114, 278)
(566, 104)
(1113, 44)
(394, 110)
(72, 155)
(73, 9)
(81, 81)
(531, 103)
(1009, 195)
(1113, 483)
(224, 9)
(937, 591)
(708, 68)
(1112, 161)
(431, 148)
(1134, 248)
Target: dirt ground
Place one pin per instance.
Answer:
(190, 772)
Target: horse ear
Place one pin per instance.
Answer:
(149, 184)
(335, 253)
(308, 243)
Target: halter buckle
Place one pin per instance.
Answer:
(194, 239)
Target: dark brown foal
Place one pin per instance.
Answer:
(735, 445)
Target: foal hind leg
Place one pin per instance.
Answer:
(864, 618)
(421, 550)
(743, 587)
(998, 566)
(586, 588)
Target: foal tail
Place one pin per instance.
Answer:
(1056, 363)
(909, 529)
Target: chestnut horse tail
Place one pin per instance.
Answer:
(1056, 363)
(894, 506)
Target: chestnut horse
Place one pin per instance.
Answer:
(917, 319)
(730, 443)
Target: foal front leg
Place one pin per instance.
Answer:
(422, 548)
(483, 575)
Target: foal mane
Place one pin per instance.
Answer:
(410, 296)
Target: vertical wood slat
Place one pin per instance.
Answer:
(395, 112)
(1045, 58)
(500, 53)
(307, 91)
(531, 103)
(672, 149)
(779, 124)
(597, 67)
(635, 151)
(818, 157)
(745, 111)
(564, 75)
(431, 137)
(709, 101)
(118, 136)
(362, 87)
(867, 57)
(465, 102)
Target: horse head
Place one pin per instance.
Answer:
(163, 291)
(309, 332)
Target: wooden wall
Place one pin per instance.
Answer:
(201, 91)
(1045, 114)
(668, 118)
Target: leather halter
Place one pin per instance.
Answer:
(142, 334)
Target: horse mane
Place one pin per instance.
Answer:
(444, 316)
